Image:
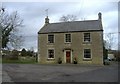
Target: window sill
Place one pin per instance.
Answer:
(68, 42)
(50, 43)
(87, 59)
(87, 42)
(50, 59)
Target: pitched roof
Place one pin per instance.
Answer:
(75, 26)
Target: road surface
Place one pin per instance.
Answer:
(59, 73)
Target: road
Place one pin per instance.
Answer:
(59, 73)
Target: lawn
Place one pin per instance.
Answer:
(27, 60)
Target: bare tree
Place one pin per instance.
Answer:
(110, 41)
(10, 24)
(68, 18)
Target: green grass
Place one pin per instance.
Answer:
(27, 61)
(0, 60)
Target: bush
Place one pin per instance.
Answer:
(14, 55)
(75, 61)
(59, 60)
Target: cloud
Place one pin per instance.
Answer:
(110, 20)
(55, 0)
(30, 41)
(33, 14)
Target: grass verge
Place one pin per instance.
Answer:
(19, 61)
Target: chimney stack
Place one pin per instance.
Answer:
(47, 20)
(100, 16)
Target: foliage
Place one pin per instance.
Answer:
(68, 18)
(105, 53)
(30, 53)
(23, 52)
(14, 55)
(75, 60)
(9, 24)
(59, 60)
(0, 60)
(117, 55)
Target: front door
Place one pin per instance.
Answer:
(68, 57)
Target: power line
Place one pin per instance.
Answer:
(112, 33)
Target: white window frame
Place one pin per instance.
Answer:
(53, 38)
(65, 38)
(48, 53)
(84, 38)
(90, 54)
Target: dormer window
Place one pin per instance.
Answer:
(86, 37)
(50, 38)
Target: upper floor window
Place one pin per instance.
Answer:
(87, 53)
(67, 38)
(86, 37)
(51, 53)
(50, 38)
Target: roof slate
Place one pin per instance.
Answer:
(75, 26)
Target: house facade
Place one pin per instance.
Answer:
(78, 40)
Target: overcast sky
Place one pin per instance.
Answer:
(33, 14)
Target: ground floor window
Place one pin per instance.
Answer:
(87, 53)
(50, 53)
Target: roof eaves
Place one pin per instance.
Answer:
(70, 31)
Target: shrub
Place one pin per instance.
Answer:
(59, 60)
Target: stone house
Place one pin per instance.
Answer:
(80, 40)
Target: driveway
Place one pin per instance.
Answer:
(59, 73)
